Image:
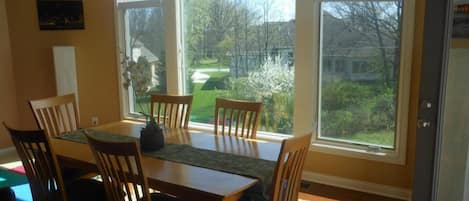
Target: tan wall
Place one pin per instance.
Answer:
(8, 109)
(377, 172)
(95, 57)
(97, 82)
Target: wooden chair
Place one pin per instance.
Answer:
(43, 172)
(239, 118)
(56, 115)
(172, 111)
(121, 170)
(287, 176)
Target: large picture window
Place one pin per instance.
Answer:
(360, 62)
(143, 52)
(241, 49)
(338, 68)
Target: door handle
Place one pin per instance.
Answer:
(423, 123)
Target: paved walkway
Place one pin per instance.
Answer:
(201, 76)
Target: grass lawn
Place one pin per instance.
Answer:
(203, 104)
(209, 63)
(382, 138)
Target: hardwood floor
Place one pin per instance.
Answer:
(320, 192)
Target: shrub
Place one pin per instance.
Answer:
(350, 107)
(272, 84)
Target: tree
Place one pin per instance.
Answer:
(375, 24)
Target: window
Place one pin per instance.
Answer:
(143, 52)
(343, 69)
(241, 49)
(359, 108)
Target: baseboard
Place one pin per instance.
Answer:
(356, 185)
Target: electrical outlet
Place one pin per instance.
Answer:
(94, 121)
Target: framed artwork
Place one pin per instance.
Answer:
(461, 19)
(60, 14)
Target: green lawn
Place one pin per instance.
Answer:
(382, 138)
(203, 104)
(209, 63)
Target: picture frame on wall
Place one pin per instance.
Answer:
(60, 14)
(461, 19)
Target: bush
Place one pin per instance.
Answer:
(349, 108)
(216, 83)
(272, 84)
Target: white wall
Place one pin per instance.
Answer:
(453, 162)
(8, 105)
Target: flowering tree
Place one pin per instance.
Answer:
(273, 84)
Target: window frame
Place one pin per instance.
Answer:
(396, 155)
(306, 77)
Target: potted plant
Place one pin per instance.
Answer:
(138, 76)
(151, 136)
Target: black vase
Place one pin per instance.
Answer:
(151, 138)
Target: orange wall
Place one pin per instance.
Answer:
(377, 172)
(98, 88)
(95, 57)
(8, 112)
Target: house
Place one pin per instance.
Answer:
(26, 72)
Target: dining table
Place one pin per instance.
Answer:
(184, 180)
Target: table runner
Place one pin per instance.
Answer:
(186, 154)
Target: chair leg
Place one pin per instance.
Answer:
(7, 194)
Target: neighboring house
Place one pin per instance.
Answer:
(139, 50)
(355, 62)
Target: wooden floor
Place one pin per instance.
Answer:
(309, 191)
(320, 192)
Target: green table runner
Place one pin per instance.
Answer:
(231, 163)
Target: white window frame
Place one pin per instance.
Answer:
(397, 155)
(307, 53)
(173, 74)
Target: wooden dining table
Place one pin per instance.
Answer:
(185, 181)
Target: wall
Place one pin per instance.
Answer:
(455, 139)
(8, 109)
(97, 82)
(376, 172)
(95, 57)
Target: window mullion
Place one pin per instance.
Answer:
(173, 69)
(306, 68)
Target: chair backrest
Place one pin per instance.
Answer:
(119, 164)
(40, 164)
(287, 176)
(172, 111)
(56, 115)
(238, 118)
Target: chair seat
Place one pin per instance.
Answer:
(85, 190)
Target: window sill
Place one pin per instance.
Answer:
(208, 128)
(385, 156)
(261, 135)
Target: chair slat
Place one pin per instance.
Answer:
(175, 111)
(119, 174)
(56, 115)
(40, 164)
(243, 117)
(289, 168)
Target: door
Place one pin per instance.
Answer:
(442, 160)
